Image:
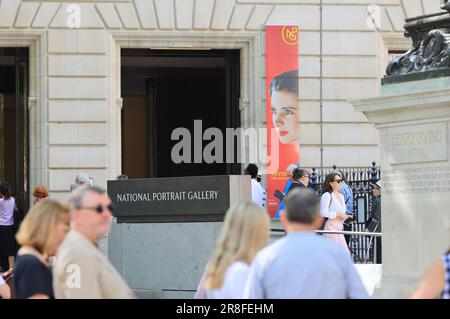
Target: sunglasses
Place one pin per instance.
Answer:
(99, 208)
(338, 181)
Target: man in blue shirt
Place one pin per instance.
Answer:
(289, 171)
(303, 264)
(347, 192)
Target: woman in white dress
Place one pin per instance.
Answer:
(245, 231)
(332, 206)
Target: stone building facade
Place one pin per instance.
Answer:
(75, 83)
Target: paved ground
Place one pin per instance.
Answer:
(370, 275)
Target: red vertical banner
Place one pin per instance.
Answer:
(282, 108)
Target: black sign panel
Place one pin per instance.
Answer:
(175, 199)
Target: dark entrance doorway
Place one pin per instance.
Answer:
(14, 123)
(163, 90)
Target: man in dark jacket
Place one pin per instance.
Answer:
(300, 179)
(374, 222)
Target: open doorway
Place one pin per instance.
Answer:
(14, 123)
(163, 90)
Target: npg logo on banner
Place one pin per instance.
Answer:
(290, 35)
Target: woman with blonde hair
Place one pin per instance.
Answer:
(245, 231)
(40, 234)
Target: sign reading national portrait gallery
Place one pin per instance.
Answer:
(200, 198)
(282, 108)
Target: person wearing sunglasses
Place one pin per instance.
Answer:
(332, 207)
(300, 179)
(373, 224)
(81, 271)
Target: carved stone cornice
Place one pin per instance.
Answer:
(430, 53)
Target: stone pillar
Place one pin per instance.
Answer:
(412, 115)
(413, 120)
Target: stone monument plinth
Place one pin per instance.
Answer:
(412, 116)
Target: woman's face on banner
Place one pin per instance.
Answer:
(285, 116)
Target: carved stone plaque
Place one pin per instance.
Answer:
(418, 143)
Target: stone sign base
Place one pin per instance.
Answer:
(162, 260)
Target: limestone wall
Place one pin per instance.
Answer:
(76, 80)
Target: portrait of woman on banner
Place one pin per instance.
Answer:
(285, 107)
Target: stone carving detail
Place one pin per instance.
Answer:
(430, 51)
(446, 5)
(433, 52)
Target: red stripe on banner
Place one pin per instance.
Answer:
(283, 111)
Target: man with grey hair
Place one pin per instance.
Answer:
(81, 179)
(81, 271)
(303, 264)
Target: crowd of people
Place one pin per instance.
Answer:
(59, 255)
(300, 265)
(336, 205)
(303, 264)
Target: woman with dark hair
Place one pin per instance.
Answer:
(332, 207)
(283, 132)
(8, 245)
(285, 108)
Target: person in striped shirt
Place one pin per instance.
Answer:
(436, 281)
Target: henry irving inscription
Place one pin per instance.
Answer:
(167, 196)
(418, 143)
(413, 138)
